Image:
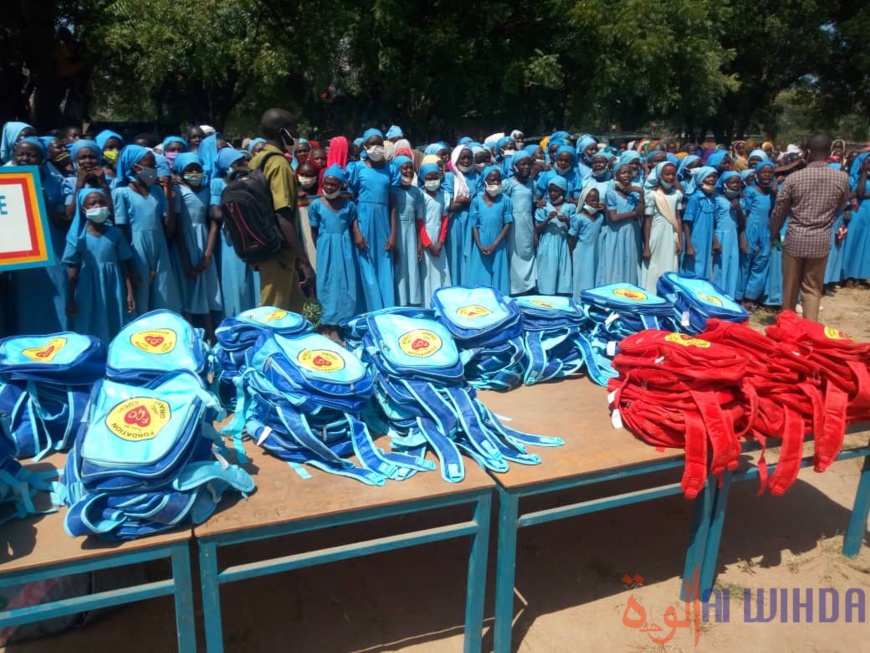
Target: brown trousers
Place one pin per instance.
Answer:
(806, 275)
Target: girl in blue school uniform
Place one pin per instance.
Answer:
(111, 143)
(856, 250)
(461, 186)
(13, 133)
(333, 219)
(406, 208)
(564, 167)
(490, 220)
(552, 222)
(195, 242)
(759, 199)
(584, 235)
(369, 182)
(621, 232)
(587, 148)
(834, 267)
(146, 211)
(101, 298)
(41, 293)
(728, 236)
(522, 239)
(599, 177)
(698, 224)
(240, 284)
(432, 234)
(662, 226)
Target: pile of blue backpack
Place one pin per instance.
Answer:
(696, 300)
(235, 338)
(305, 399)
(427, 403)
(488, 330)
(146, 458)
(551, 339)
(613, 313)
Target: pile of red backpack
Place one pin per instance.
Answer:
(707, 393)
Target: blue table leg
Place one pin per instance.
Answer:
(505, 572)
(858, 521)
(211, 597)
(717, 522)
(184, 619)
(476, 589)
(698, 534)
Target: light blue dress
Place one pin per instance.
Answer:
(41, 293)
(834, 268)
(459, 240)
(543, 180)
(371, 189)
(202, 294)
(521, 239)
(754, 264)
(585, 257)
(408, 202)
(240, 284)
(337, 278)
(434, 271)
(726, 263)
(856, 247)
(101, 295)
(662, 240)
(493, 269)
(143, 215)
(620, 242)
(555, 276)
(700, 215)
(773, 289)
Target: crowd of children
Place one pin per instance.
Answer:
(137, 226)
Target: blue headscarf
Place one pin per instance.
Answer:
(465, 140)
(531, 149)
(47, 141)
(129, 156)
(83, 194)
(225, 158)
(395, 164)
(582, 143)
(36, 142)
(162, 165)
(763, 164)
(683, 169)
(368, 133)
(558, 142)
(255, 141)
(715, 159)
(336, 172)
(745, 174)
(208, 152)
(652, 181)
(79, 221)
(627, 157)
(486, 172)
(104, 136)
(183, 160)
(427, 168)
(559, 136)
(700, 174)
(434, 148)
(11, 132)
(394, 132)
(558, 180)
(725, 176)
(358, 142)
(855, 172)
(758, 153)
(605, 174)
(567, 149)
(84, 144)
(522, 155)
(174, 139)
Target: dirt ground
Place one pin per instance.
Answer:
(570, 593)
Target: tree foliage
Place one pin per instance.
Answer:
(446, 66)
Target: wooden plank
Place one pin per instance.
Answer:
(574, 409)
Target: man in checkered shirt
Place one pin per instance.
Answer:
(810, 198)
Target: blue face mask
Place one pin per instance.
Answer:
(731, 194)
(667, 185)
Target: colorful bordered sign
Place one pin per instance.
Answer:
(23, 220)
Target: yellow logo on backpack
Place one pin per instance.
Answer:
(473, 311)
(154, 341)
(47, 352)
(835, 334)
(686, 340)
(320, 360)
(710, 299)
(420, 343)
(138, 419)
(277, 314)
(628, 293)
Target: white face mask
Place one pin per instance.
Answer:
(562, 168)
(307, 182)
(709, 187)
(509, 152)
(98, 214)
(478, 167)
(493, 190)
(407, 179)
(667, 185)
(464, 169)
(432, 184)
(332, 196)
(375, 152)
(590, 209)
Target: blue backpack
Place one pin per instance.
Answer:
(488, 329)
(146, 460)
(235, 337)
(552, 330)
(354, 330)
(426, 403)
(18, 486)
(697, 300)
(613, 313)
(306, 395)
(156, 343)
(45, 382)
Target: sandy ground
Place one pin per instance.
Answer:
(570, 592)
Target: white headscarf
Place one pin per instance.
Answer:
(460, 186)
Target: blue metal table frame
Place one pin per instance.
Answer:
(594, 453)
(289, 504)
(854, 532)
(41, 549)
